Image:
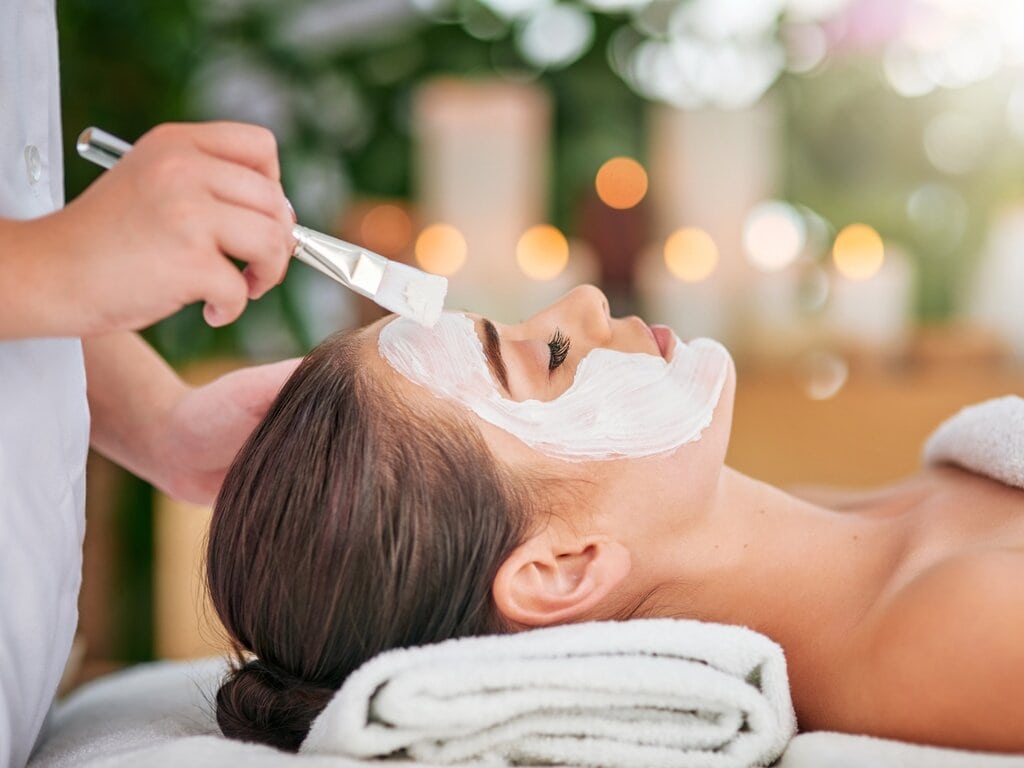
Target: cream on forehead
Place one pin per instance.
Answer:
(619, 405)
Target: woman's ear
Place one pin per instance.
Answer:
(547, 581)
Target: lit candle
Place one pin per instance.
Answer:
(775, 241)
(679, 286)
(580, 265)
(870, 301)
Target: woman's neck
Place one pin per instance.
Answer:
(798, 572)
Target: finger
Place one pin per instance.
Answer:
(225, 291)
(239, 185)
(249, 145)
(262, 242)
(263, 382)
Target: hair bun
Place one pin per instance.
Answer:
(259, 703)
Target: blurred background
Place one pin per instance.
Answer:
(834, 188)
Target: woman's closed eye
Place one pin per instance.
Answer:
(558, 345)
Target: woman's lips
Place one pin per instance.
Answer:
(666, 339)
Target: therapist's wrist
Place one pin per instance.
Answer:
(35, 298)
(166, 469)
(46, 291)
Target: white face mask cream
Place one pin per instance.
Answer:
(619, 405)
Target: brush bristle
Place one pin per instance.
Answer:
(411, 293)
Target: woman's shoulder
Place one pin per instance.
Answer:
(942, 649)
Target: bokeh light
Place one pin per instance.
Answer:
(774, 235)
(441, 249)
(621, 183)
(955, 141)
(814, 289)
(691, 254)
(822, 374)
(386, 229)
(858, 252)
(542, 252)
(939, 212)
(556, 35)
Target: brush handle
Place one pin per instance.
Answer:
(101, 147)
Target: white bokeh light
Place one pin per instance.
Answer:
(954, 142)
(556, 36)
(717, 53)
(954, 44)
(718, 20)
(774, 235)
(806, 46)
(514, 9)
(617, 6)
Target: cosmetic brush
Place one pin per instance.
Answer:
(397, 287)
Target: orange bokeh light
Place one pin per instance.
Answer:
(621, 183)
(441, 249)
(386, 229)
(858, 252)
(542, 252)
(690, 254)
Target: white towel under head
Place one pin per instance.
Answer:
(644, 693)
(987, 438)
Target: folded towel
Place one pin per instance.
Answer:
(644, 693)
(987, 438)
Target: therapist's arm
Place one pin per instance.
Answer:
(181, 439)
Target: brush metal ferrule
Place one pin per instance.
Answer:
(349, 264)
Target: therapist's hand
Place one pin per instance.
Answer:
(155, 233)
(206, 427)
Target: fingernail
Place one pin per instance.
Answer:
(291, 210)
(212, 316)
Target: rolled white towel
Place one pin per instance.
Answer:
(645, 693)
(987, 438)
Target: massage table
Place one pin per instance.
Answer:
(161, 715)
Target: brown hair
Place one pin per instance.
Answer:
(351, 522)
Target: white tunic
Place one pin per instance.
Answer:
(44, 426)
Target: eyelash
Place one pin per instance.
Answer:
(559, 345)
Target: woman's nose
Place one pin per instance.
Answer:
(586, 308)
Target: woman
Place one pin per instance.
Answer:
(387, 501)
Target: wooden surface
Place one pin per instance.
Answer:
(186, 625)
(871, 432)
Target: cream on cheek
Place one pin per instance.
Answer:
(620, 405)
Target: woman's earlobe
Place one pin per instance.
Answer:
(543, 583)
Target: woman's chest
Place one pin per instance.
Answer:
(965, 515)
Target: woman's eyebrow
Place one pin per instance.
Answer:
(492, 351)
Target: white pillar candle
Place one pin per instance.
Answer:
(873, 312)
(691, 308)
(995, 300)
(482, 167)
(778, 327)
(708, 168)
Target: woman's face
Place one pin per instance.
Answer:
(555, 394)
